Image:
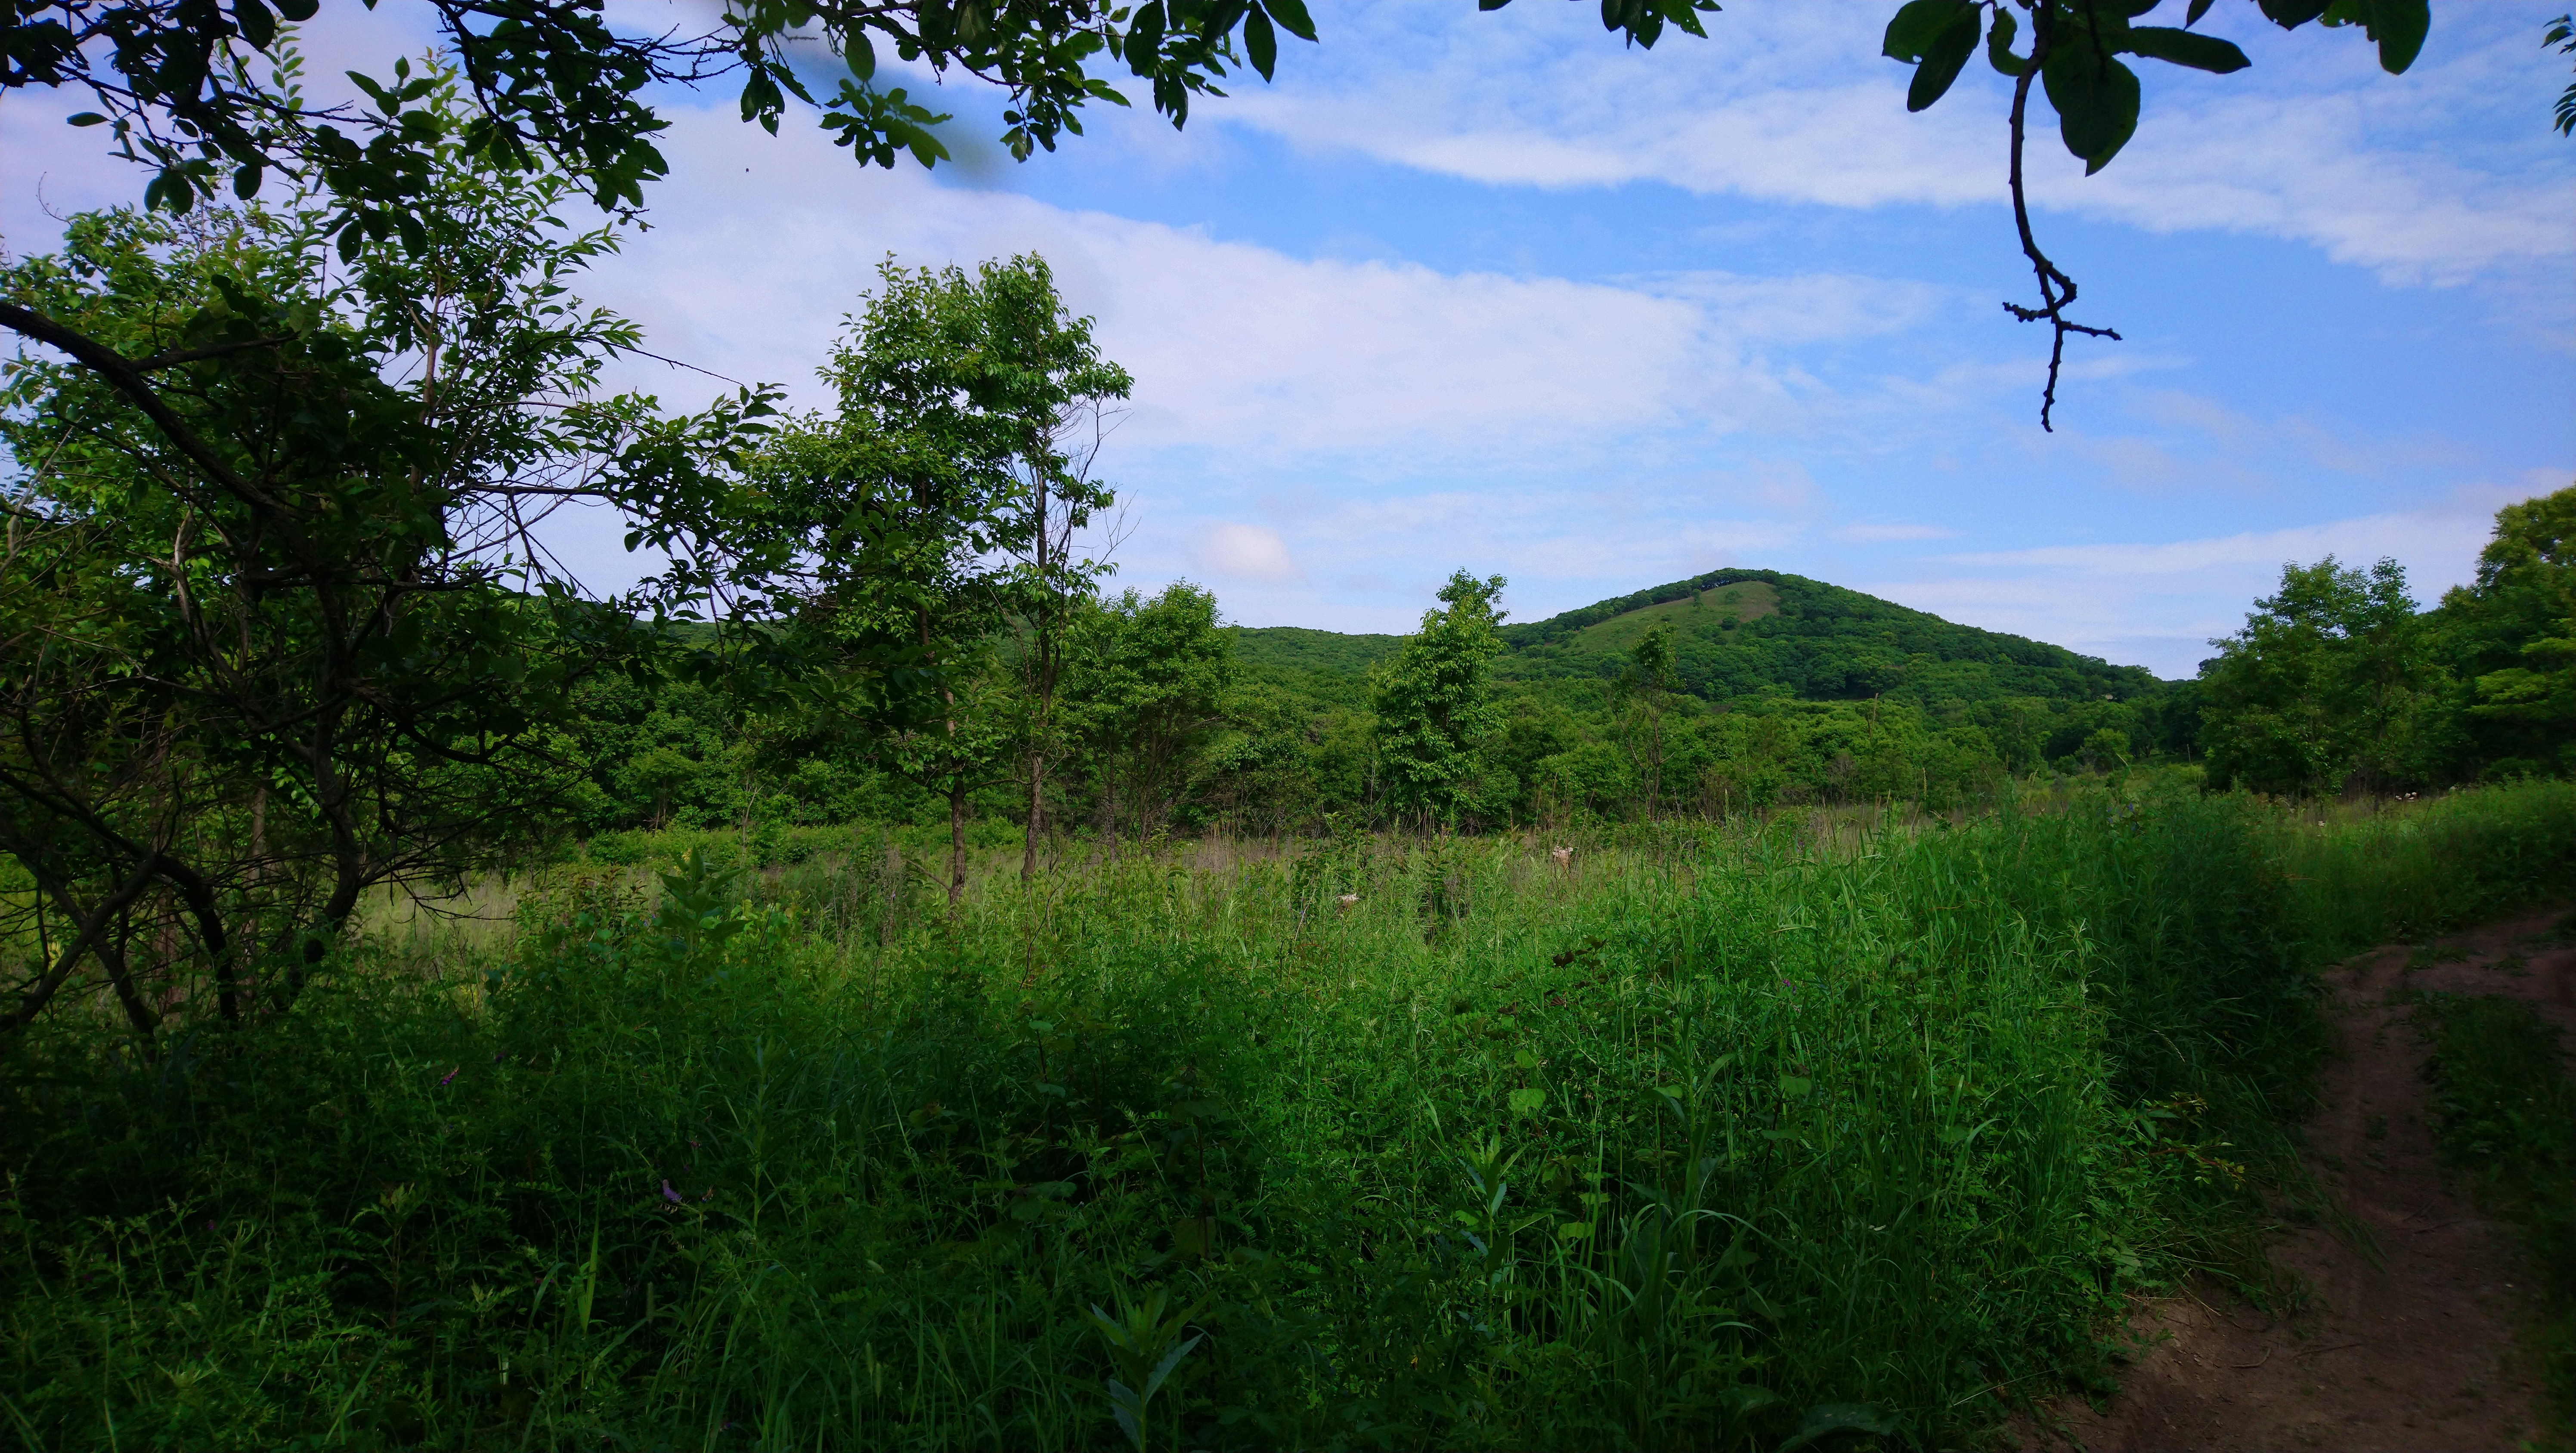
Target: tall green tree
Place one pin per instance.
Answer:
(1435, 704)
(274, 630)
(2324, 685)
(2512, 636)
(904, 536)
(1151, 687)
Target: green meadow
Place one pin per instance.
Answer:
(1823, 1131)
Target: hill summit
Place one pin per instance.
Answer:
(1756, 633)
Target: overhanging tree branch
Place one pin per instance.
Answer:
(2056, 289)
(128, 379)
(92, 931)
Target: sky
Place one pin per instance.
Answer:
(1492, 291)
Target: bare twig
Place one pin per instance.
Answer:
(2056, 289)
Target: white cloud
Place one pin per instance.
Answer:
(2160, 602)
(1240, 350)
(2449, 536)
(1232, 551)
(1795, 104)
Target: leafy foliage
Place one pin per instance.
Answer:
(2320, 685)
(1434, 704)
(276, 632)
(2510, 635)
(172, 78)
(2339, 681)
(885, 536)
(1791, 1140)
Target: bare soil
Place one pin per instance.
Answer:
(2402, 1328)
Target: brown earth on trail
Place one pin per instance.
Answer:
(2416, 1348)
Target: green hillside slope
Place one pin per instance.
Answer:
(1297, 649)
(1751, 633)
(1741, 633)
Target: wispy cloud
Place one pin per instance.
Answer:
(2160, 602)
(1794, 104)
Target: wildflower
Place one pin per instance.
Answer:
(669, 1194)
(451, 1074)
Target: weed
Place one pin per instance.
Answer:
(2507, 1113)
(1737, 1137)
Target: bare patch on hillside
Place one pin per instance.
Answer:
(1704, 614)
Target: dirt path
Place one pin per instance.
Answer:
(2415, 1349)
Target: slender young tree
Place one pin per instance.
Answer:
(1645, 685)
(1435, 703)
(1151, 684)
(910, 530)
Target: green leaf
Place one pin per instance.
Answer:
(2291, 14)
(255, 23)
(2399, 26)
(1260, 42)
(1999, 52)
(85, 118)
(1292, 17)
(1918, 24)
(384, 99)
(1796, 1086)
(1527, 1101)
(1941, 63)
(2183, 48)
(2097, 104)
(2199, 8)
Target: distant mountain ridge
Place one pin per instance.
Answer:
(1753, 633)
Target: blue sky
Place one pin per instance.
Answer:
(1488, 290)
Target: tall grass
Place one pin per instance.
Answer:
(1705, 1139)
(2506, 1107)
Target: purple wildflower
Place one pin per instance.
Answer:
(669, 1194)
(451, 1074)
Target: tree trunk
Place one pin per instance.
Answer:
(1037, 814)
(1044, 660)
(956, 843)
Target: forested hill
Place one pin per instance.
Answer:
(1751, 633)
